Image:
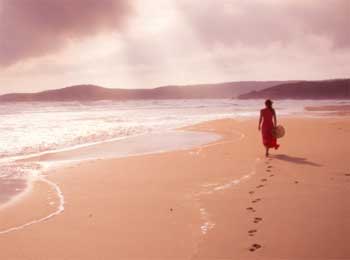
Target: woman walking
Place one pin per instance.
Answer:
(269, 122)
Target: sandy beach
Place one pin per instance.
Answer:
(223, 200)
(330, 110)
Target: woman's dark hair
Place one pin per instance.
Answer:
(268, 103)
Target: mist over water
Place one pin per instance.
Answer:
(28, 129)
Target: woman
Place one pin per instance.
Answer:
(269, 122)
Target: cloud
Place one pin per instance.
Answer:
(34, 28)
(170, 42)
(261, 22)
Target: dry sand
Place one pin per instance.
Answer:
(219, 201)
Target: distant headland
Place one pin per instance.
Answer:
(326, 89)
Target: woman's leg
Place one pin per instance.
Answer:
(267, 151)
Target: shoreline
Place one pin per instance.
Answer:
(30, 191)
(192, 198)
(44, 157)
(73, 156)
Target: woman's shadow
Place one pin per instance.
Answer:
(293, 159)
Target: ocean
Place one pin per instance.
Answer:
(28, 130)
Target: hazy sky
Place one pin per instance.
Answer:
(140, 44)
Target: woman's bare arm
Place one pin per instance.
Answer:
(260, 119)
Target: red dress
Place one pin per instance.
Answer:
(267, 126)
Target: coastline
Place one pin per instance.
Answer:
(138, 145)
(186, 204)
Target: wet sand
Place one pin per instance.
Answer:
(328, 108)
(331, 110)
(224, 200)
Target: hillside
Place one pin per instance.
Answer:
(92, 92)
(327, 89)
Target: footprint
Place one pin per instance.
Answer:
(256, 200)
(271, 175)
(251, 209)
(257, 220)
(269, 167)
(263, 179)
(268, 170)
(257, 246)
(260, 186)
(296, 182)
(254, 247)
(251, 192)
(252, 231)
(347, 174)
